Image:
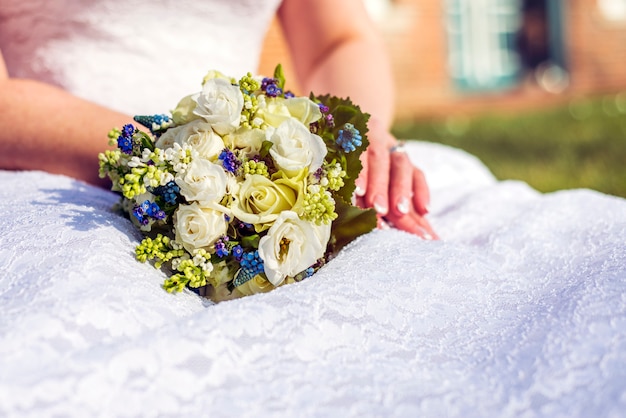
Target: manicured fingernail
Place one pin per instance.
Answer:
(427, 236)
(427, 207)
(403, 206)
(380, 205)
(359, 191)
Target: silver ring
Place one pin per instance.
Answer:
(399, 147)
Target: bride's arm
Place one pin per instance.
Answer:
(45, 128)
(335, 49)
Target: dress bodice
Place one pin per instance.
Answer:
(136, 56)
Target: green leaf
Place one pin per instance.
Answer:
(265, 148)
(279, 75)
(146, 140)
(251, 241)
(351, 223)
(344, 111)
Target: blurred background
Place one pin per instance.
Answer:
(535, 88)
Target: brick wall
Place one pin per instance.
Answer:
(417, 43)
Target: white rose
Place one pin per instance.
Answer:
(198, 134)
(303, 109)
(291, 246)
(295, 147)
(220, 103)
(198, 227)
(203, 182)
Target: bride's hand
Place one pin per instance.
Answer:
(393, 186)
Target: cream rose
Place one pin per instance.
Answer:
(183, 113)
(291, 246)
(198, 134)
(197, 226)
(273, 110)
(203, 182)
(260, 200)
(294, 147)
(220, 104)
(303, 109)
(215, 74)
(248, 140)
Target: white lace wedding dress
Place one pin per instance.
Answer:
(520, 309)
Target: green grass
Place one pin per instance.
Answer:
(582, 144)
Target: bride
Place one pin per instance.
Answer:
(517, 310)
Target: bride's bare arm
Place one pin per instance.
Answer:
(336, 49)
(43, 127)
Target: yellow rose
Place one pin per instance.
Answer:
(260, 200)
(258, 284)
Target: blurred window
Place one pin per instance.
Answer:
(482, 36)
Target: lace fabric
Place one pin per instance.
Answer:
(518, 311)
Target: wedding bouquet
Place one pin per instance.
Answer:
(244, 187)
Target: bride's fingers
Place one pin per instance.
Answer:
(421, 194)
(377, 177)
(361, 181)
(400, 183)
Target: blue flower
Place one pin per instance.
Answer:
(170, 192)
(238, 252)
(273, 90)
(230, 162)
(154, 211)
(154, 122)
(147, 211)
(269, 86)
(221, 249)
(330, 120)
(125, 144)
(128, 130)
(349, 138)
(252, 262)
(125, 140)
(251, 265)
